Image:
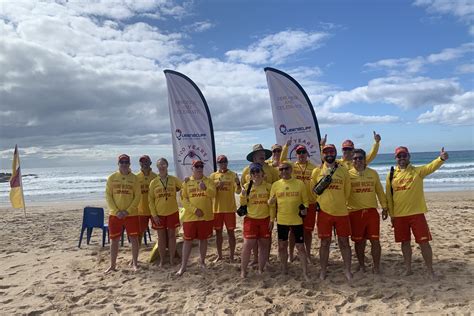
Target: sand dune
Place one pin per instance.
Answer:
(43, 271)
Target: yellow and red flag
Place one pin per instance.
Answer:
(16, 188)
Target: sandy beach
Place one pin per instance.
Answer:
(43, 271)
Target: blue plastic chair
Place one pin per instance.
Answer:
(93, 217)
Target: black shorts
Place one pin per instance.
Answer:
(297, 230)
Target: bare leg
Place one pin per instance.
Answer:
(304, 263)
(162, 245)
(427, 254)
(376, 251)
(359, 248)
(246, 248)
(135, 249)
(202, 253)
(308, 240)
(291, 239)
(324, 256)
(283, 253)
(171, 244)
(255, 254)
(184, 258)
(345, 248)
(406, 251)
(232, 243)
(219, 242)
(263, 244)
(114, 245)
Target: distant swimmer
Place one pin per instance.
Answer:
(198, 218)
(164, 209)
(123, 195)
(291, 196)
(145, 176)
(259, 218)
(407, 206)
(362, 204)
(331, 186)
(227, 185)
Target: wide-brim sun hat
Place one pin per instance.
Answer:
(258, 147)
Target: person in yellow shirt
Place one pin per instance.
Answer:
(407, 206)
(123, 195)
(198, 218)
(164, 209)
(144, 178)
(274, 161)
(227, 185)
(258, 223)
(348, 151)
(333, 209)
(302, 170)
(259, 155)
(291, 196)
(362, 204)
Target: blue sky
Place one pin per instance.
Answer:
(83, 81)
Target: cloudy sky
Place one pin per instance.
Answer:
(82, 81)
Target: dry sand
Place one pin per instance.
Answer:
(43, 271)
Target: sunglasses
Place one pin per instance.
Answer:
(347, 149)
(301, 152)
(277, 151)
(223, 161)
(284, 169)
(358, 158)
(199, 167)
(254, 171)
(402, 156)
(124, 162)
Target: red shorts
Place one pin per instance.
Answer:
(116, 226)
(227, 218)
(418, 225)
(256, 228)
(310, 219)
(201, 230)
(326, 222)
(365, 224)
(143, 222)
(167, 222)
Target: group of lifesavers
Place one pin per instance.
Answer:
(340, 195)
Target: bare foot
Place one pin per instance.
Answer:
(292, 258)
(181, 271)
(243, 274)
(433, 276)
(161, 264)
(110, 269)
(322, 275)
(375, 270)
(219, 258)
(134, 268)
(361, 268)
(348, 275)
(231, 259)
(202, 265)
(408, 272)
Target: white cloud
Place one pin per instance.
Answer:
(333, 118)
(465, 69)
(462, 9)
(403, 92)
(276, 48)
(199, 27)
(459, 111)
(417, 64)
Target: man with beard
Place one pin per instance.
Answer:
(333, 209)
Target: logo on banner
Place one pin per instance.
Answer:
(180, 135)
(189, 153)
(312, 150)
(295, 130)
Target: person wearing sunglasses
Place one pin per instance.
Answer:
(196, 195)
(333, 209)
(258, 222)
(227, 185)
(348, 150)
(164, 209)
(123, 195)
(145, 176)
(274, 161)
(291, 196)
(302, 170)
(362, 204)
(407, 206)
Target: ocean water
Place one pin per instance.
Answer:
(88, 183)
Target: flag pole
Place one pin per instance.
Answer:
(21, 186)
